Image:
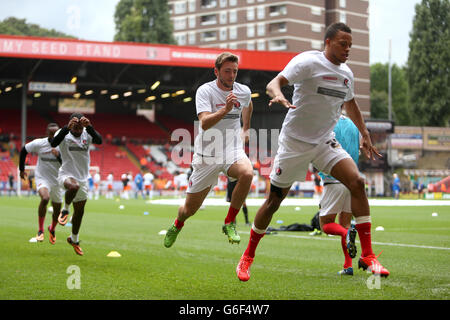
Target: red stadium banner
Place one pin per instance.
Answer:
(135, 53)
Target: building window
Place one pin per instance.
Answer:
(180, 7)
(277, 10)
(209, 36)
(251, 45)
(181, 39)
(315, 27)
(251, 14)
(223, 34)
(233, 3)
(261, 45)
(192, 5)
(179, 24)
(278, 45)
(261, 29)
(233, 16)
(233, 32)
(192, 21)
(316, 44)
(208, 20)
(223, 17)
(208, 4)
(191, 38)
(223, 46)
(233, 46)
(343, 17)
(342, 3)
(316, 11)
(223, 3)
(250, 1)
(277, 27)
(261, 12)
(250, 30)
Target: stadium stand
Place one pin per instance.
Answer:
(11, 124)
(120, 125)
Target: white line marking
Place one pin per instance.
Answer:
(307, 202)
(336, 239)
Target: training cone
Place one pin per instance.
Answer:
(114, 254)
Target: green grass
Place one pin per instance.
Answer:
(201, 264)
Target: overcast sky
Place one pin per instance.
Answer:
(94, 20)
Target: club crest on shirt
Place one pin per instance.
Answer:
(237, 105)
(346, 82)
(278, 171)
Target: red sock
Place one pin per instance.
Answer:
(365, 238)
(338, 230)
(41, 223)
(53, 225)
(348, 259)
(179, 224)
(253, 243)
(334, 229)
(231, 216)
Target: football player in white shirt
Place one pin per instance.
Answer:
(148, 180)
(219, 105)
(74, 140)
(322, 83)
(46, 175)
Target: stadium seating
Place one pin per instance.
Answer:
(110, 158)
(119, 125)
(12, 123)
(172, 124)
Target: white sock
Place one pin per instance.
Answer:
(74, 238)
(258, 231)
(363, 219)
(66, 206)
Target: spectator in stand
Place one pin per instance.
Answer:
(11, 184)
(139, 182)
(396, 186)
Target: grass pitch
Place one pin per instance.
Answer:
(201, 264)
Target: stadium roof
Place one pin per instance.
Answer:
(134, 53)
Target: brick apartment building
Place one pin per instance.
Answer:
(271, 25)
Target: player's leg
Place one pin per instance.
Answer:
(191, 205)
(346, 171)
(241, 170)
(71, 186)
(52, 227)
(44, 194)
(245, 211)
(78, 213)
(260, 224)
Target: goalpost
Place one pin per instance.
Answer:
(30, 170)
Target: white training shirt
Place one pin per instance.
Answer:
(75, 155)
(181, 180)
(110, 178)
(148, 178)
(211, 98)
(47, 165)
(320, 89)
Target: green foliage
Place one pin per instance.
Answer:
(400, 94)
(429, 63)
(143, 21)
(19, 27)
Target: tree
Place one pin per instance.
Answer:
(379, 91)
(143, 21)
(429, 63)
(20, 27)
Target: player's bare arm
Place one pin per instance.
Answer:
(246, 119)
(209, 119)
(274, 91)
(355, 115)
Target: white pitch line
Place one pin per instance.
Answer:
(374, 242)
(305, 202)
